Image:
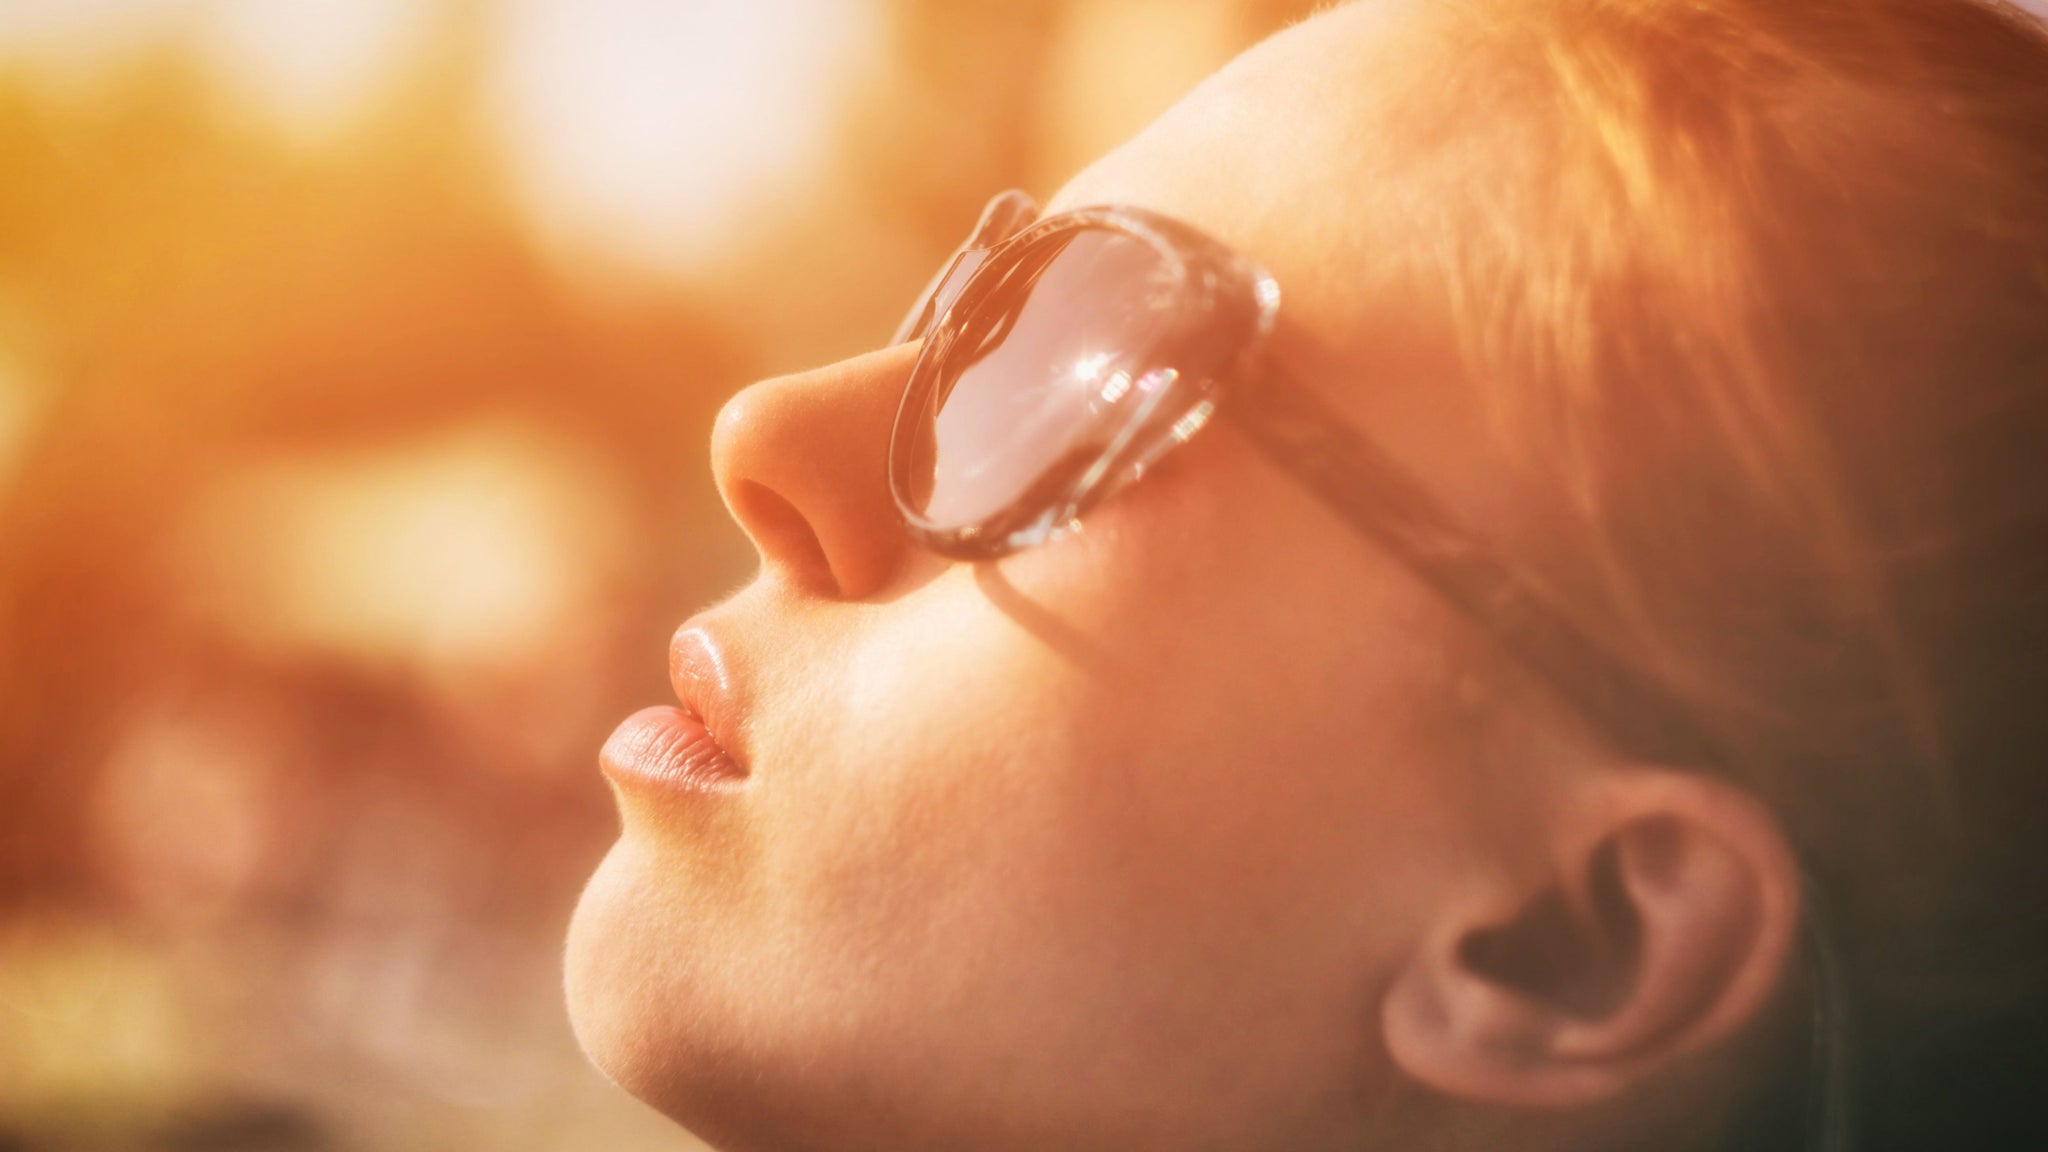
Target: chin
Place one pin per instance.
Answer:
(632, 1007)
(599, 974)
(626, 996)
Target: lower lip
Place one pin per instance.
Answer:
(668, 748)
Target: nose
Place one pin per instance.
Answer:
(802, 463)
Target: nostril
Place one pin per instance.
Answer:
(783, 536)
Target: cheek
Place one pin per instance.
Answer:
(1261, 757)
(1086, 820)
(915, 818)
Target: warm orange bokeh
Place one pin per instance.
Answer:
(356, 364)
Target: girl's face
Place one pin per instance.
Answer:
(1113, 843)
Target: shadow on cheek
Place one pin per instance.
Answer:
(1058, 634)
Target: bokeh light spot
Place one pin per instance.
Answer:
(182, 817)
(648, 129)
(475, 550)
(64, 36)
(1117, 64)
(18, 412)
(311, 63)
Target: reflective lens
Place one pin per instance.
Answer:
(1033, 378)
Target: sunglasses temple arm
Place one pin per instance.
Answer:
(1302, 434)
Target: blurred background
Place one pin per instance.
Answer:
(357, 361)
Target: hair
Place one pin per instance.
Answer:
(1762, 301)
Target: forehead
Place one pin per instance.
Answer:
(1323, 154)
(1292, 154)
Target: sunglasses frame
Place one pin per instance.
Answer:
(1220, 308)
(1225, 308)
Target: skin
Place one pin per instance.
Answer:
(1166, 834)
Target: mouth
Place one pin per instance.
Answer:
(668, 748)
(683, 748)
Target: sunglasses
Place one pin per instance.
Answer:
(1062, 357)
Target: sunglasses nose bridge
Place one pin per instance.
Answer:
(1006, 215)
(940, 297)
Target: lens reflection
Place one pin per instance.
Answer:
(1037, 376)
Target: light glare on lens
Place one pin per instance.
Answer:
(1033, 391)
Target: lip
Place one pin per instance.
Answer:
(690, 748)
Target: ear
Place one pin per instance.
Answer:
(1660, 924)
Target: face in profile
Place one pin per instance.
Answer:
(1207, 824)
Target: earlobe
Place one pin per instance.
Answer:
(1663, 927)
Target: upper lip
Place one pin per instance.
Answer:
(700, 669)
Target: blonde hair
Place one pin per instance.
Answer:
(1761, 302)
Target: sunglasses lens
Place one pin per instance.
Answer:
(1032, 379)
